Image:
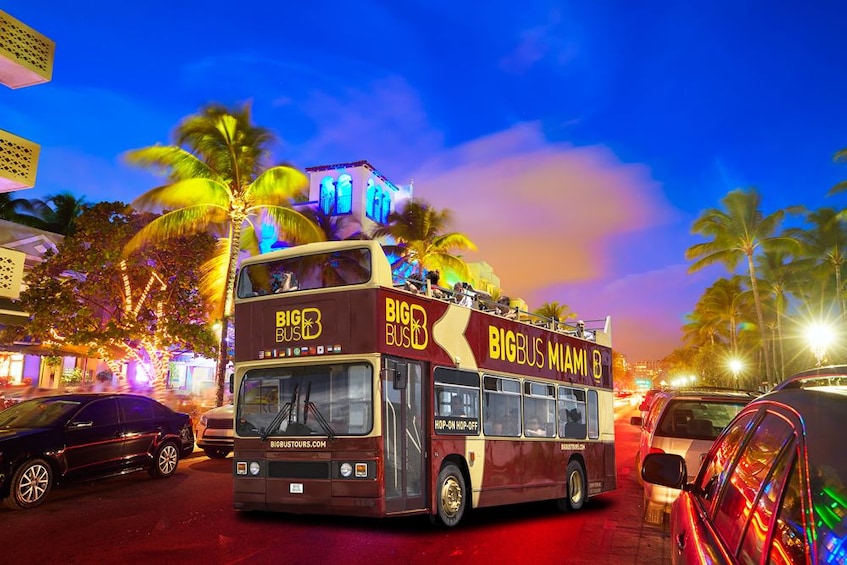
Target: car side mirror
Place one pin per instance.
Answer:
(665, 469)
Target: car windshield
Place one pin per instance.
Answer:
(37, 413)
(697, 418)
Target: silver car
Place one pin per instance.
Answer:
(214, 433)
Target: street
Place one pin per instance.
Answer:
(189, 519)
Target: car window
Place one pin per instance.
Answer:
(747, 477)
(99, 413)
(697, 418)
(714, 468)
(759, 525)
(827, 467)
(136, 409)
(790, 542)
(655, 410)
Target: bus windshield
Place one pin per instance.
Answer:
(322, 400)
(306, 272)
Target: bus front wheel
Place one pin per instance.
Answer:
(576, 488)
(451, 495)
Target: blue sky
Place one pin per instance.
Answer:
(575, 142)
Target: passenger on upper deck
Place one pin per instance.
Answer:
(432, 278)
(582, 332)
(461, 296)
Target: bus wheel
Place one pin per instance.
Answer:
(451, 495)
(575, 484)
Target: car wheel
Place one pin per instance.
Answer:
(165, 461)
(451, 495)
(576, 485)
(216, 452)
(30, 484)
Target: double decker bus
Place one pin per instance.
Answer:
(354, 396)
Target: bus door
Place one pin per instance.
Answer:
(403, 434)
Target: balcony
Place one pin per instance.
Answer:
(26, 56)
(11, 272)
(18, 162)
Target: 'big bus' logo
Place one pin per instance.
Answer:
(298, 325)
(405, 324)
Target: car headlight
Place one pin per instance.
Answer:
(204, 420)
(346, 470)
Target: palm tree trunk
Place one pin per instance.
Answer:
(223, 353)
(781, 371)
(764, 336)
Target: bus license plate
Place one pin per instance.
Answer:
(295, 488)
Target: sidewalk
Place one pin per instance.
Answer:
(626, 538)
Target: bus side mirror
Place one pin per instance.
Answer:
(231, 384)
(401, 376)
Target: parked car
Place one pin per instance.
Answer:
(684, 422)
(819, 376)
(773, 487)
(214, 431)
(53, 439)
(644, 406)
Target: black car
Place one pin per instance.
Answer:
(52, 439)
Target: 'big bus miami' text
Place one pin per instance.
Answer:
(355, 396)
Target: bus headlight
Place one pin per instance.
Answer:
(255, 468)
(346, 470)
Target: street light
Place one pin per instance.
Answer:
(819, 336)
(735, 365)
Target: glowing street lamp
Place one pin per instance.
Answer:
(735, 365)
(819, 337)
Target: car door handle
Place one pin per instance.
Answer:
(680, 541)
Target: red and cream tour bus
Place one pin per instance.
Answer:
(356, 397)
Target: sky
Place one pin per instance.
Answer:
(574, 142)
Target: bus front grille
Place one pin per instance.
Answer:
(298, 469)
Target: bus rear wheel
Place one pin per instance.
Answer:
(576, 488)
(451, 495)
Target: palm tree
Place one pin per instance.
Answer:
(219, 181)
(334, 227)
(779, 275)
(727, 302)
(554, 311)
(839, 157)
(417, 230)
(737, 233)
(58, 213)
(826, 242)
(18, 210)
